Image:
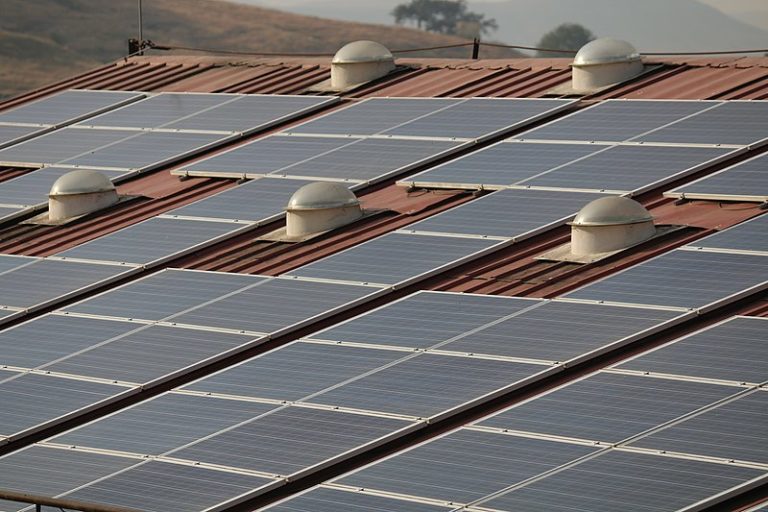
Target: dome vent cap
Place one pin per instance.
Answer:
(359, 52)
(83, 181)
(322, 195)
(606, 50)
(612, 211)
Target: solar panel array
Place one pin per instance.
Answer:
(366, 385)
(747, 237)
(627, 438)
(375, 138)
(745, 181)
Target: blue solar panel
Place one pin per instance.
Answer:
(751, 236)
(322, 499)
(60, 145)
(67, 106)
(32, 188)
(10, 134)
(746, 181)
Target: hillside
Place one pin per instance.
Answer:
(754, 12)
(85, 33)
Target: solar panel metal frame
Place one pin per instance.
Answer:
(679, 192)
(566, 105)
(328, 101)
(359, 183)
(757, 288)
(41, 131)
(715, 104)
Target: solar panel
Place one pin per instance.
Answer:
(44, 280)
(464, 466)
(157, 486)
(164, 423)
(424, 319)
(428, 384)
(32, 188)
(507, 214)
(292, 439)
(12, 134)
(145, 150)
(9, 262)
(617, 120)
(731, 122)
(152, 240)
(562, 331)
(60, 145)
(393, 258)
(166, 293)
(734, 430)
(683, 279)
(281, 303)
(734, 350)
(67, 106)
(745, 181)
(322, 499)
(630, 482)
(500, 165)
(253, 201)
(31, 401)
(608, 407)
(630, 168)
(295, 371)
(749, 237)
(7, 212)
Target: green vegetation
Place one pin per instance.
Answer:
(568, 36)
(444, 17)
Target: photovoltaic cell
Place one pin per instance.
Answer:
(45, 280)
(630, 482)
(163, 294)
(424, 319)
(295, 371)
(393, 258)
(688, 279)
(32, 188)
(610, 120)
(560, 331)
(60, 145)
(67, 106)
(164, 423)
(732, 122)
(746, 181)
(628, 168)
(157, 486)
(373, 116)
(751, 235)
(30, 400)
(150, 240)
(281, 303)
(427, 385)
(11, 134)
(252, 201)
(465, 466)
(148, 354)
(734, 350)
(8, 262)
(322, 499)
(609, 408)
(291, 439)
(144, 150)
(507, 213)
(502, 164)
(734, 430)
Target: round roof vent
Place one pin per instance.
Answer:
(83, 181)
(358, 63)
(362, 51)
(605, 50)
(612, 211)
(320, 207)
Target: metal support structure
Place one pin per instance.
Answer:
(66, 504)
(475, 48)
(141, 29)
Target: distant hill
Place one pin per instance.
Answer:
(753, 12)
(667, 25)
(46, 40)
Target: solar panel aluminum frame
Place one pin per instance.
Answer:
(715, 103)
(679, 193)
(449, 506)
(42, 131)
(616, 367)
(330, 100)
(529, 120)
(702, 310)
(722, 250)
(359, 183)
(129, 391)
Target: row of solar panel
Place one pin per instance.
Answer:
(238, 417)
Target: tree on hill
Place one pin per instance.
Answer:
(568, 36)
(451, 17)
